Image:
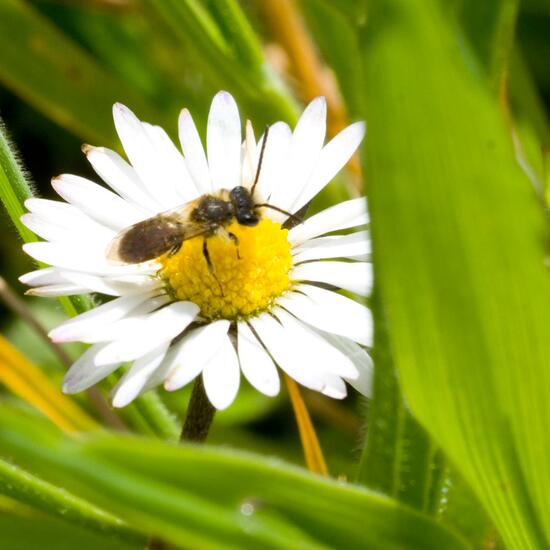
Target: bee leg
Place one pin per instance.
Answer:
(206, 255)
(296, 220)
(235, 239)
(174, 250)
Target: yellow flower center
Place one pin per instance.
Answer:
(248, 272)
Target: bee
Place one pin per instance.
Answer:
(207, 215)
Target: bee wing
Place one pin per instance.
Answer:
(155, 236)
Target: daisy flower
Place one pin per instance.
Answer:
(266, 299)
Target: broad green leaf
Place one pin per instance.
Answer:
(459, 244)
(58, 77)
(205, 497)
(43, 496)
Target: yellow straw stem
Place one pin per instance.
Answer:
(313, 454)
(28, 382)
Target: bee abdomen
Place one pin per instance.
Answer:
(145, 241)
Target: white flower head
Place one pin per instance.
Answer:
(235, 298)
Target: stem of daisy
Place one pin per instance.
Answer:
(313, 454)
(199, 415)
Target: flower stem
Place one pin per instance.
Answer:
(310, 443)
(200, 414)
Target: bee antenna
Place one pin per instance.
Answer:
(264, 142)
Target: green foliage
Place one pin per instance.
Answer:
(36, 532)
(398, 457)
(456, 442)
(38, 494)
(453, 211)
(207, 497)
(14, 189)
(57, 76)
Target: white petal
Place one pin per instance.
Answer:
(114, 286)
(272, 178)
(50, 208)
(307, 142)
(161, 326)
(340, 216)
(177, 185)
(63, 229)
(354, 245)
(84, 373)
(40, 277)
(256, 364)
(353, 276)
(143, 155)
(62, 212)
(300, 352)
(121, 177)
(72, 256)
(187, 358)
(325, 356)
(133, 382)
(103, 315)
(221, 376)
(331, 312)
(249, 159)
(287, 351)
(332, 159)
(51, 291)
(99, 203)
(360, 358)
(128, 326)
(195, 159)
(334, 387)
(223, 142)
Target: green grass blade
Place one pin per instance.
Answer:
(26, 531)
(239, 33)
(260, 95)
(459, 240)
(14, 188)
(211, 498)
(41, 495)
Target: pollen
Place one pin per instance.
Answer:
(248, 271)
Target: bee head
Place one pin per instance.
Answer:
(249, 218)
